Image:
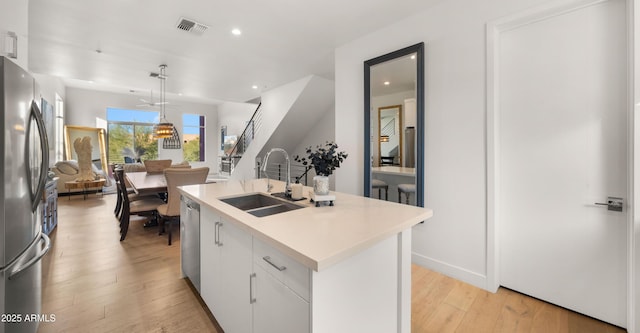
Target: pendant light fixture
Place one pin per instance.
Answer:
(164, 129)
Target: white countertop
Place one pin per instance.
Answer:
(394, 170)
(317, 237)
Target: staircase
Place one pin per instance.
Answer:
(286, 118)
(228, 162)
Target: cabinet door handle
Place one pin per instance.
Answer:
(217, 233)
(268, 260)
(252, 299)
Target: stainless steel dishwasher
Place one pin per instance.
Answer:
(190, 240)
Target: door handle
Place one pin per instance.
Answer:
(43, 250)
(614, 204)
(36, 116)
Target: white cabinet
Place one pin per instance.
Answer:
(226, 270)
(277, 308)
(280, 292)
(208, 257)
(252, 286)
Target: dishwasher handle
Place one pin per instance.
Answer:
(191, 204)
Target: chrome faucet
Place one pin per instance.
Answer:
(287, 187)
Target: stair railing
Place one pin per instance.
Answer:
(299, 172)
(230, 160)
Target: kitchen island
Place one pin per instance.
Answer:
(341, 268)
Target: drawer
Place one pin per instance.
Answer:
(282, 267)
(50, 191)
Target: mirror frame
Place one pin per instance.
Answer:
(418, 49)
(71, 131)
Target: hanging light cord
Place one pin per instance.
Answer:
(162, 91)
(164, 129)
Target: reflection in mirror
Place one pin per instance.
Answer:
(394, 127)
(97, 135)
(389, 135)
(223, 134)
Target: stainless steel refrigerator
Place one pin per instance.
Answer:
(22, 243)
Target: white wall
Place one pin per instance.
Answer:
(14, 17)
(322, 131)
(235, 116)
(454, 240)
(89, 108)
(294, 116)
(46, 88)
(306, 120)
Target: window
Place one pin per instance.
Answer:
(131, 135)
(193, 129)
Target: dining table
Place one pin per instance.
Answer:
(144, 182)
(147, 183)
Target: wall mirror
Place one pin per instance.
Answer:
(97, 135)
(394, 126)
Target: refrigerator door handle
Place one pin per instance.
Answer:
(36, 115)
(21, 255)
(19, 267)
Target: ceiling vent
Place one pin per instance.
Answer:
(191, 26)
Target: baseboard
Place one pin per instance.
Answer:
(68, 194)
(455, 272)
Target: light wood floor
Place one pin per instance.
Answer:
(95, 283)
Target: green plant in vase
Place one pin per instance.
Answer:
(324, 159)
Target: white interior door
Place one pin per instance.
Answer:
(562, 147)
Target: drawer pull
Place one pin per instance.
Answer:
(268, 260)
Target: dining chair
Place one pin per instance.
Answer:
(118, 208)
(130, 192)
(177, 177)
(156, 166)
(142, 206)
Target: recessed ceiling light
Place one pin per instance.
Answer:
(254, 87)
(236, 32)
(413, 57)
(386, 83)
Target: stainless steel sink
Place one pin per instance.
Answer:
(261, 205)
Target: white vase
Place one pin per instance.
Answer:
(321, 185)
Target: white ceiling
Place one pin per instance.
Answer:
(114, 45)
(399, 73)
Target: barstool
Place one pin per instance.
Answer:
(380, 185)
(407, 189)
